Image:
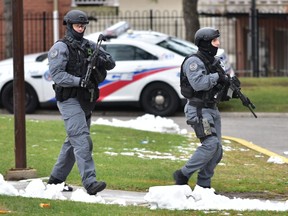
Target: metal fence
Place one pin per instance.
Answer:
(38, 35)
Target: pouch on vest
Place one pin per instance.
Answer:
(201, 127)
(99, 74)
(186, 89)
(58, 92)
(84, 95)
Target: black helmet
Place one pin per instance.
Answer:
(206, 34)
(75, 17)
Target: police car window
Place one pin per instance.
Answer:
(122, 52)
(181, 47)
(41, 57)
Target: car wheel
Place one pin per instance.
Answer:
(31, 99)
(159, 99)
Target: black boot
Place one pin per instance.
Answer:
(96, 187)
(53, 180)
(179, 178)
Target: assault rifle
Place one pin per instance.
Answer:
(92, 63)
(235, 86)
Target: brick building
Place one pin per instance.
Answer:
(31, 10)
(32, 6)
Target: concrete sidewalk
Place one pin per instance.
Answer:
(130, 197)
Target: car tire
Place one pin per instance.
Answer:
(159, 99)
(31, 99)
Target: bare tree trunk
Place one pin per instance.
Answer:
(8, 28)
(191, 19)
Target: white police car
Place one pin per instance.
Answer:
(145, 75)
(177, 45)
(38, 83)
(122, 30)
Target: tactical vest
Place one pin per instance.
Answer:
(77, 64)
(187, 90)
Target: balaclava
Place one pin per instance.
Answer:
(70, 32)
(207, 47)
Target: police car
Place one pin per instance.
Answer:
(174, 44)
(38, 83)
(145, 75)
(123, 30)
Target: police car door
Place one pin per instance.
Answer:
(125, 81)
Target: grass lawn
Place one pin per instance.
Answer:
(125, 163)
(267, 94)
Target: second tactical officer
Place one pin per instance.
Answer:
(204, 83)
(76, 98)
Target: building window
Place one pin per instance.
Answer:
(114, 3)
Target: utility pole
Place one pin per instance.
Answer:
(18, 84)
(20, 171)
(55, 21)
(254, 33)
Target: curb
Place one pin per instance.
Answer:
(259, 114)
(256, 148)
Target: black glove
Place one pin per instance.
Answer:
(105, 60)
(86, 84)
(223, 78)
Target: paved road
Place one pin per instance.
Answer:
(268, 131)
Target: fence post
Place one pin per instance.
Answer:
(151, 19)
(176, 28)
(254, 38)
(44, 30)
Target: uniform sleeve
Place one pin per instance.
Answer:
(197, 75)
(58, 57)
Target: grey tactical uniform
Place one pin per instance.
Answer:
(204, 83)
(58, 57)
(209, 153)
(78, 145)
(76, 95)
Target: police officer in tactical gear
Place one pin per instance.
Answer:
(68, 66)
(204, 83)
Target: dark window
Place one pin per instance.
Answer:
(179, 46)
(41, 57)
(122, 52)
